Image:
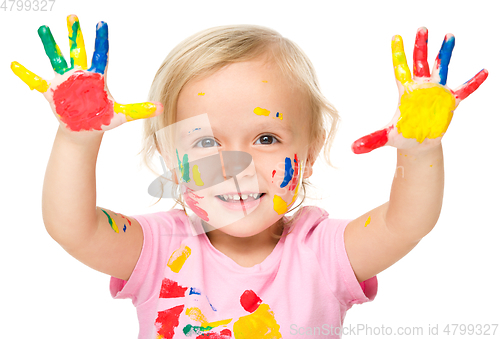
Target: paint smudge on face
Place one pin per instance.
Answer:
(190, 198)
(171, 289)
(250, 301)
(167, 321)
(178, 258)
(201, 93)
(82, 103)
(194, 290)
(259, 324)
(288, 172)
(197, 176)
(196, 129)
(296, 173)
(261, 111)
(368, 221)
(297, 185)
(29, 78)
(111, 221)
(279, 115)
(425, 112)
(124, 228)
(183, 167)
(76, 45)
(430, 165)
(264, 80)
(279, 205)
(136, 111)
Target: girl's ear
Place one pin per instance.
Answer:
(312, 155)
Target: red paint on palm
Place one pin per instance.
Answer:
(470, 86)
(82, 103)
(171, 289)
(371, 141)
(250, 301)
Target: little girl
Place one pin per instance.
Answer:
(237, 114)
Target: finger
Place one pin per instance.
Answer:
(401, 69)
(100, 57)
(371, 141)
(420, 65)
(29, 78)
(76, 44)
(139, 111)
(440, 70)
(52, 50)
(470, 86)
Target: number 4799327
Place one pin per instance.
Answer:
(27, 5)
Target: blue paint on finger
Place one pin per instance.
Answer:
(100, 57)
(444, 58)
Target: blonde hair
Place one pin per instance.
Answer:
(208, 51)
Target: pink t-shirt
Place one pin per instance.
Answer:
(183, 287)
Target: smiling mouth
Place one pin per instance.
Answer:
(240, 197)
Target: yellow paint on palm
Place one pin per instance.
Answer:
(195, 314)
(259, 324)
(280, 205)
(77, 45)
(401, 69)
(29, 78)
(261, 111)
(136, 111)
(197, 176)
(425, 112)
(178, 258)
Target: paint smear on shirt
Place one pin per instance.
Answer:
(258, 325)
(197, 176)
(368, 221)
(167, 321)
(250, 301)
(261, 111)
(178, 258)
(171, 289)
(111, 221)
(425, 112)
(194, 313)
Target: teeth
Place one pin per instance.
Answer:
(244, 196)
(225, 196)
(236, 197)
(233, 197)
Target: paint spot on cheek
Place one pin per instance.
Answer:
(197, 176)
(124, 228)
(191, 201)
(279, 205)
(368, 221)
(201, 93)
(82, 103)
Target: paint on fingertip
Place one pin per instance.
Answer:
(100, 56)
(368, 221)
(52, 50)
(111, 221)
(261, 111)
(178, 258)
(443, 58)
(76, 43)
(29, 78)
(136, 111)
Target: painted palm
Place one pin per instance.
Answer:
(79, 95)
(426, 103)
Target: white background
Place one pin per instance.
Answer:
(450, 277)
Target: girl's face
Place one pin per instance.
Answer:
(251, 108)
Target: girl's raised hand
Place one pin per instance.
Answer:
(426, 104)
(78, 96)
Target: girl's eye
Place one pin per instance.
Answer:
(207, 142)
(266, 140)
